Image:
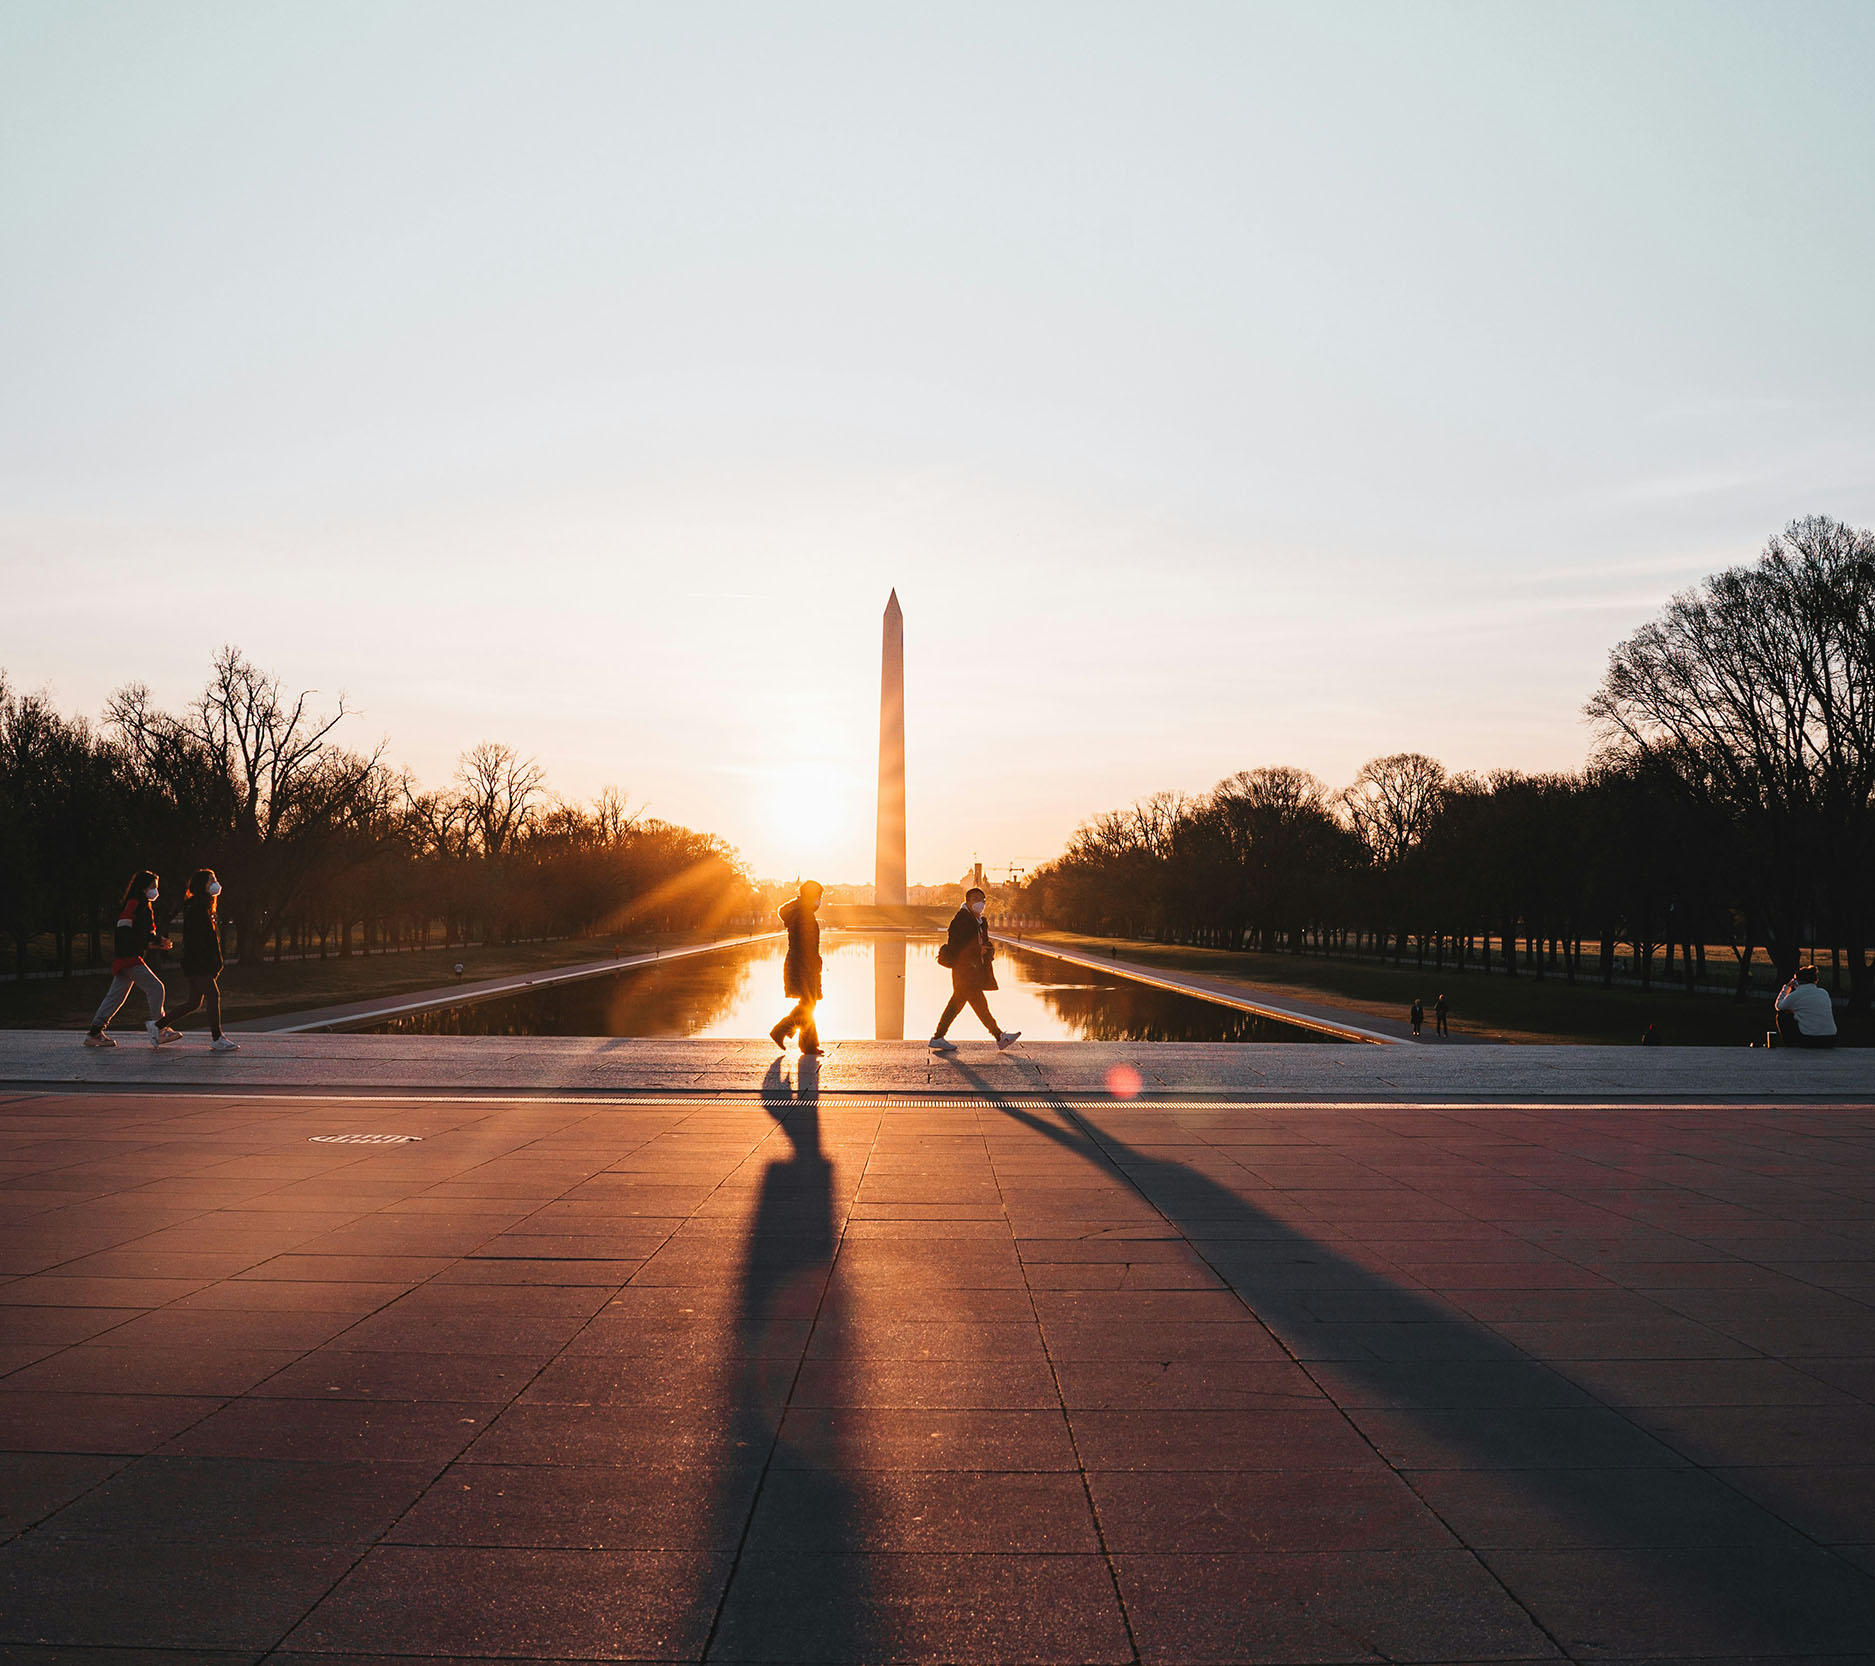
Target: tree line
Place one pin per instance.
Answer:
(322, 848)
(1729, 800)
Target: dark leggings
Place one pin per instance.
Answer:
(203, 992)
(978, 1003)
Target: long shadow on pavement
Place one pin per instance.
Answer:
(1639, 1551)
(785, 1601)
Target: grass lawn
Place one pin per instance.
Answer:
(257, 991)
(1496, 1008)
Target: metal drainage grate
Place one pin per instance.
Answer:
(361, 1139)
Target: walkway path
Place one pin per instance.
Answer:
(556, 1064)
(794, 1376)
(1313, 1015)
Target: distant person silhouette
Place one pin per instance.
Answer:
(970, 955)
(1418, 1014)
(800, 973)
(1438, 1016)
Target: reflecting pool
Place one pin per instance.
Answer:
(878, 986)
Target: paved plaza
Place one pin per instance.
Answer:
(868, 1366)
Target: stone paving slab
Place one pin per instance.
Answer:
(582, 1064)
(803, 1376)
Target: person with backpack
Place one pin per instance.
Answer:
(800, 973)
(970, 955)
(134, 935)
(201, 955)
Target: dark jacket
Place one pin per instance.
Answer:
(135, 930)
(201, 939)
(972, 953)
(801, 973)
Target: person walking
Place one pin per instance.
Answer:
(1418, 1015)
(970, 955)
(800, 973)
(134, 935)
(1438, 1017)
(201, 955)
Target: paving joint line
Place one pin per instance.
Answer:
(1054, 1376)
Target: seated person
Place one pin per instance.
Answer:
(1805, 1015)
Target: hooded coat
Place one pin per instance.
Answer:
(800, 973)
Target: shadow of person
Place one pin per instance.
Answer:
(1615, 1529)
(799, 1589)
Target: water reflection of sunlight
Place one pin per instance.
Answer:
(888, 987)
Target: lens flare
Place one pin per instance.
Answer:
(1123, 1081)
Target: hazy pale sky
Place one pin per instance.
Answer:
(1219, 385)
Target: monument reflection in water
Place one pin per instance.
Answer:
(878, 986)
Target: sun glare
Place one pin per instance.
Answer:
(807, 819)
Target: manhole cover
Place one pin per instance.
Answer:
(362, 1139)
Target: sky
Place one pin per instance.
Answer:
(1218, 385)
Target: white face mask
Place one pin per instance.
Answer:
(214, 887)
(977, 908)
(151, 893)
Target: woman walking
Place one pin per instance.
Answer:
(134, 935)
(201, 955)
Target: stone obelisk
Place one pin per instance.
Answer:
(888, 871)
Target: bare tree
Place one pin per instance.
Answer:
(280, 787)
(1391, 803)
(501, 792)
(1279, 788)
(614, 816)
(1758, 688)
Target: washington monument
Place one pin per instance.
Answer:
(888, 872)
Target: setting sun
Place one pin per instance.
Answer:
(810, 817)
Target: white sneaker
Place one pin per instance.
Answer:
(1007, 1039)
(221, 1044)
(940, 1044)
(159, 1037)
(99, 1040)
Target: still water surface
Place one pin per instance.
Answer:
(883, 986)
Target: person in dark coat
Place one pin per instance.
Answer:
(1439, 1016)
(971, 957)
(1418, 1014)
(201, 955)
(800, 973)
